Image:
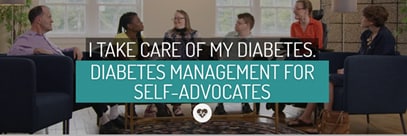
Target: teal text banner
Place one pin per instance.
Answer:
(201, 81)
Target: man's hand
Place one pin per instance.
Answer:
(38, 51)
(77, 53)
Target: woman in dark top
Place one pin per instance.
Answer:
(377, 39)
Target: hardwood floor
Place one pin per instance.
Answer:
(84, 121)
(379, 124)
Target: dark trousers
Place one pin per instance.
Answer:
(99, 108)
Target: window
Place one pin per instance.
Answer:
(273, 17)
(88, 18)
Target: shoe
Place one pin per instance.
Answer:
(193, 106)
(246, 108)
(109, 128)
(220, 110)
(269, 106)
(163, 110)
(298, 123)
(119, 122)
(151, 111)
(177, 111)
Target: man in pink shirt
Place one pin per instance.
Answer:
(34, 41)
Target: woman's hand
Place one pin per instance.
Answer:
(340, 71)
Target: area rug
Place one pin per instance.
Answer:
(214, 126)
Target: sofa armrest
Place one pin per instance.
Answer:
(377, 84)
(86, 55)
(54, 73)
(17, 77)
(17, 89)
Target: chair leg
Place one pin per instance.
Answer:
(402, 123)
(367, 119)
(46, 131)
(257, 108)
(65, 127)
(317, 113)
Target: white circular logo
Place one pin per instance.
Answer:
(202, 113)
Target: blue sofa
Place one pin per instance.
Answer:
(35, 92)
(372, 84)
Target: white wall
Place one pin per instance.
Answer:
(316, 4)
(158, 14)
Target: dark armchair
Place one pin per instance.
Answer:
(35, 92)
(372, 84)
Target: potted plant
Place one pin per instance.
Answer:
(15, 19)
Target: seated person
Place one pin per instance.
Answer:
(181, 32)
(34, 42)
(377, 39)
(305, 28)
(244, 25)
(132, 26)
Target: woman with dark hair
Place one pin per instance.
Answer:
(376, 39)
(129, 30)
(183, 33)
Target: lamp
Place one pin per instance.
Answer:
(12, 3)
(343, 6)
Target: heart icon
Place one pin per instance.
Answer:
(202, 112)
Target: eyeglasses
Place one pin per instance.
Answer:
(240, 23)
(298, 8)
(178, 18)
